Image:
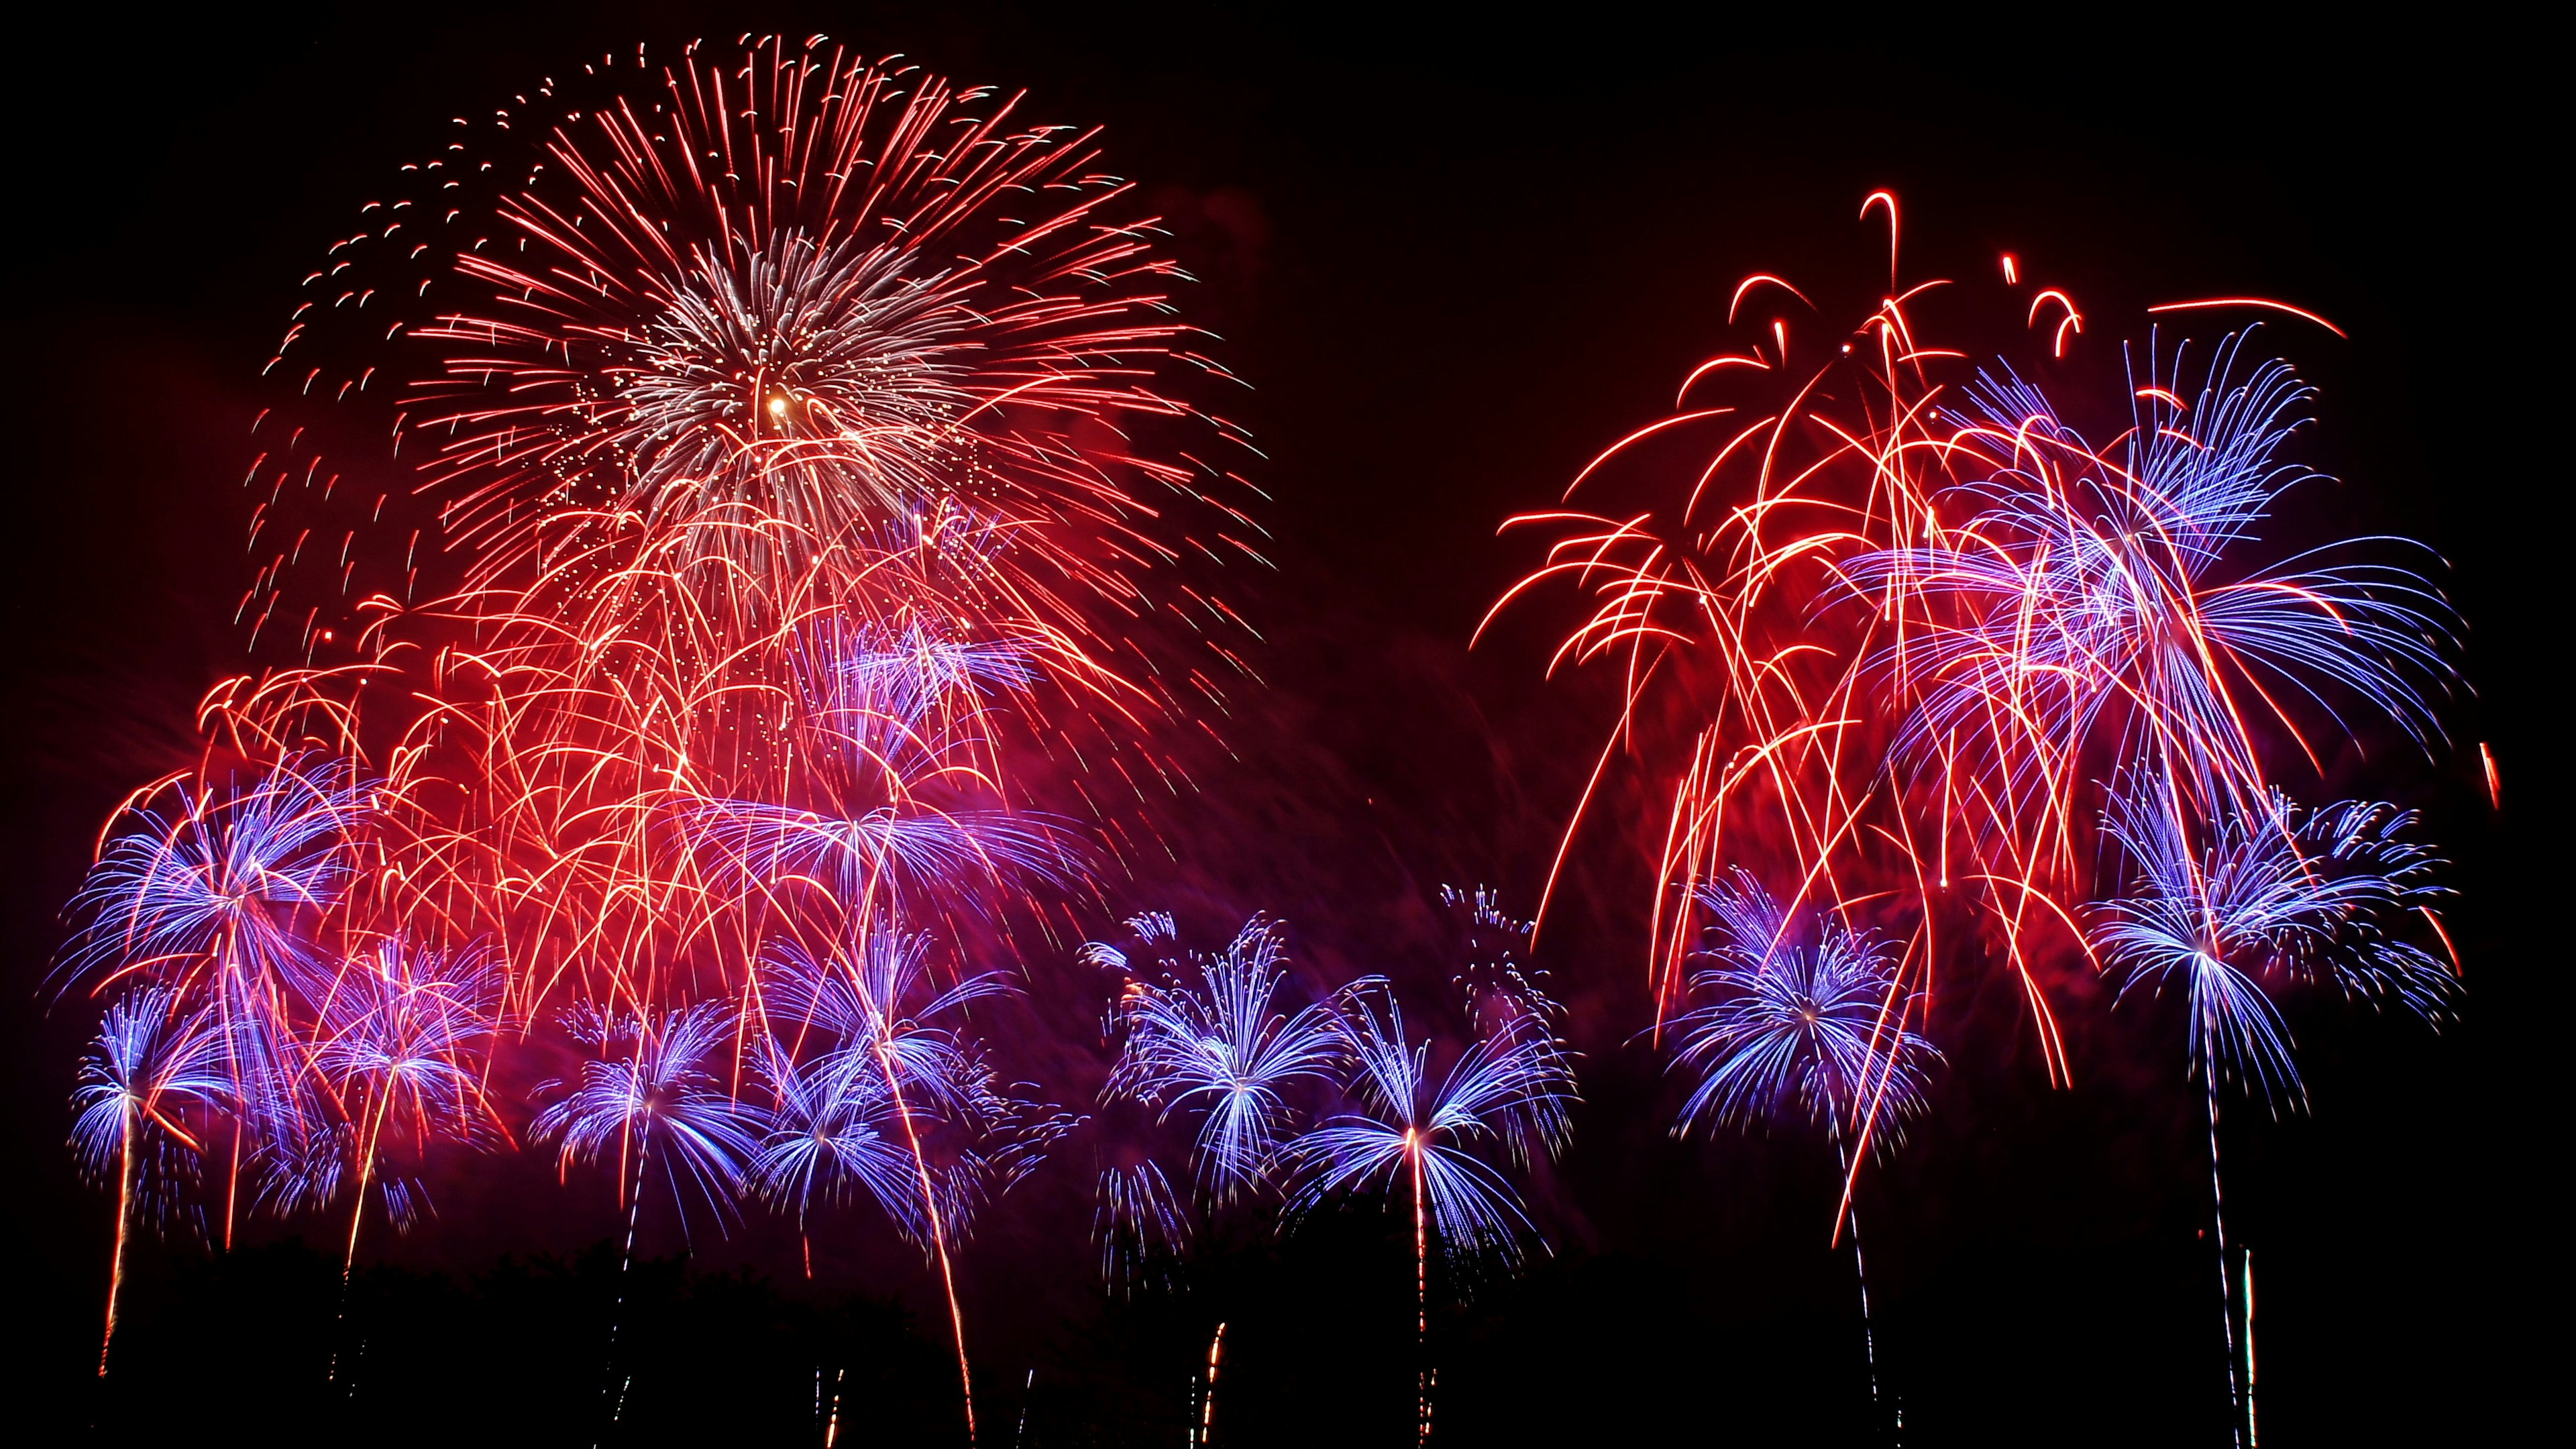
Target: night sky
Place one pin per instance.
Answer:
(1454, 258)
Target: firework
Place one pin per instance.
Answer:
(1139, 1220)
(2272, 895)
(403, 1051)
(1797, 1024)
(882, 1047)
(2090, 594)
(1407, 1124)
(793, 463)
(2268, 897)
(881, 1064)
(798, 438)
(654, 1084)
(790, 528)
(1903, 619)
(794, 429)
(1222, 1048)
(215, 889)
(834, 1128)
(148, 1070)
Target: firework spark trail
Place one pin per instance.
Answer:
(214, 894)
(873, 1005)
(866, 382)
(403, 1051)
(1206, 1032)
(1207, 1404)
(400, 1051)
(651, 1086)
(1913, 619)
(808, 431)
(799, 455)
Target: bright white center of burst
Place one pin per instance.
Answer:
(846, 337)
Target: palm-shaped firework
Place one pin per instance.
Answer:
(834, 1126)
(880, 858)
(1799, 1023)
(1795, 1024)
(908, 701)
(882, 1052)
(150, 1066)
(651, 1090)
(2268, 897)
(2086, 586)
(1221, 1047)
(1428, 1131)
(863, 1055)
(217, 881)
(403, 1052)
(901, 741)
(652, 1093)
(876, 1002)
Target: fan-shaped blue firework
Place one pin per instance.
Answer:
(403, 1051)
(1796, 1021)
(151, 1065)
(834, 1127)
(883, 1054)
(2272, 894)
(1408, 1122)
(2268, 895)
(882, 857)
(1408, 1125)
(1223, 1048)
(904, 699)
(653, 1090)
(1800, 1021)
(865, 1013)
(649, 1089)
(221, 878)
(875, 1008)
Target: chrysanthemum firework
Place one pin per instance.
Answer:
(792, 441)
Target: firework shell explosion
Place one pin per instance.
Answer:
(772, 442)
(734, 536)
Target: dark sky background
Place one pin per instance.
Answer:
(1454, 257)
